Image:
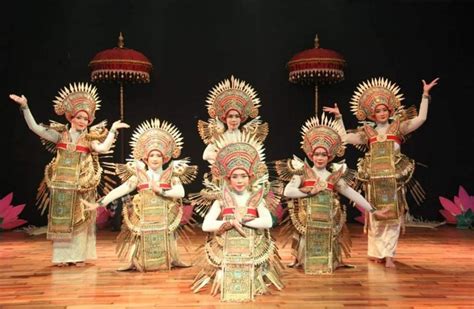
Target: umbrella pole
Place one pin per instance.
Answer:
(122, 137)
(121, 101)
(316, 99)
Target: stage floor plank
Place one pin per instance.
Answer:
(435, 268)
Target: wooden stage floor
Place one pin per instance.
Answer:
(435, 268)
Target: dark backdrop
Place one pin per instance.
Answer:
(195, 44)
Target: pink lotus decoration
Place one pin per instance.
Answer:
(187, 214)
(9, 213)
(279, 212)
(460, 208)
(102, 218)
(361, 218)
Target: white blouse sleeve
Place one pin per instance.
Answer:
(210, 223)
(123, 189)
(176, 191)
(413, 124)
(210, 153)
(353, 195)
(350, 138)
(105, 145)
(46, 133)
(292, 188)
(264, 220)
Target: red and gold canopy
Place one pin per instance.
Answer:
(120, 64)
(316, 66)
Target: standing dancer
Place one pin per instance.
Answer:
(74, 173)
(384, 171)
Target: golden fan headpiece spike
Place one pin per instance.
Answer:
(374, 92)
(78, 97)
(233, 94)
(323, 133)
(158, 135)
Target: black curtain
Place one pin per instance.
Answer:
(193, 45)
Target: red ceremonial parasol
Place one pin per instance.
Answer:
(316, 66)
(123, 65)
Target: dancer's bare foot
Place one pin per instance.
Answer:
(294, 264)
(179, 264)
(129, 267)
(389, 262)
(79, 264)
(61, 264)
(376, 260)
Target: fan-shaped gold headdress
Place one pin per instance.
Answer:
(324, 133)
(76, 98)
(230, 95)
(244, 152)
(156, 135)
(374, 92)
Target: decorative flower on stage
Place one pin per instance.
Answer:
(460, 210)
(9, 213)
(103, 216)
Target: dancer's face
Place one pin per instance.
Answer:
(239, 180)
(320, 158)
(154, 160)
(233, 120)
(381, 113)
(80, 121)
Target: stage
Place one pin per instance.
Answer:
(435, 268)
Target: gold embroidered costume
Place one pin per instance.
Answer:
(384, 172)
(316, 220)
(239, 262)
(74, 174)
(148, 240)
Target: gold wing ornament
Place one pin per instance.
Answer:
(287, 168)
(185, 172)
(98, 132)
(348, 175)
(272, 192)
(257, 128)
(404, 113)
(211, 130)
(203, 200)
(56, 126)
(125, 171)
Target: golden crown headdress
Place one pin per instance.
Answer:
(325, 133)
(76, 98)
(156, 135)
(243, 152)
(233, 94)
(374, 92)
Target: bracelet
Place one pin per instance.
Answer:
(23, 107)
(101, 203)
(424, 96)
(372, 210)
